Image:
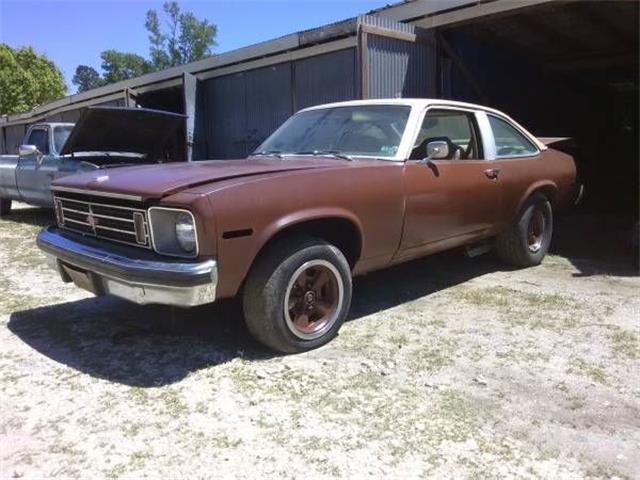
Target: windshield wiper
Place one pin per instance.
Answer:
(267, 153)
(328, 153)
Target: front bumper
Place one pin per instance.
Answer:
(137, 276)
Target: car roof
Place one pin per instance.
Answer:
(426, 102)
(411, 102)
(53, 124)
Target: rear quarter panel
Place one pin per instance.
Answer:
(552, 172)
(369, 194)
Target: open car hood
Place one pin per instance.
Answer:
(157, 135)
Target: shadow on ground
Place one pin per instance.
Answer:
(39, 217)
(149, 346)
(598, 244)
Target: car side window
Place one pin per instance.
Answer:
(40, 138)
(455, 127)
(509, 141)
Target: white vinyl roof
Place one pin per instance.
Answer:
(423, 103)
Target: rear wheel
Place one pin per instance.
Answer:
(527, 240)
(297, 295)
(5, 207)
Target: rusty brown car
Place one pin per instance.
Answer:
(338, 190)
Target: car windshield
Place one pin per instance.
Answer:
(367, 130)
(60, 135)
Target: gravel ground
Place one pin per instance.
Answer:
(449, 367)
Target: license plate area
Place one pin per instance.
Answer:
(83, 279)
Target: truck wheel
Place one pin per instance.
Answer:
(526, 241)
(5, 207)
(297, 294)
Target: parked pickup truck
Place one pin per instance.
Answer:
(104, 137)
(338, 190)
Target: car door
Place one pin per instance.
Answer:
(453, 200)
(36, 171)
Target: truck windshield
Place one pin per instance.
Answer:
(366, 130)
(60, 135)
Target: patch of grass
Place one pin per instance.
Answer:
(139, 395)
(576, 402)
(138, 459)
(536, 310)
(12, 300)
(505, 297)
(432, 358)
(626, 344)
(173, 402)
(595, 372)
(117, 472)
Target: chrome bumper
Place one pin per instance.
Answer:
(140, 278)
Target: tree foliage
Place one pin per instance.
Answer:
(118, 66)
(27, 79)
(86, 78)
(186, 39)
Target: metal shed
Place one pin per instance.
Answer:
(563, 68)
(236, 99)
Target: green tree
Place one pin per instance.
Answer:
(86, 78)
(27, 79)
(118, 66)
(187, 39)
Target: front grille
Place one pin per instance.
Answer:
(120, 221)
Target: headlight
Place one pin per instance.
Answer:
(186, 232)
(173, 232)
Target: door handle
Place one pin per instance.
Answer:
(492, 173)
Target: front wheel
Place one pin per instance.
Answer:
(527, 240)
(5, 207)
(298, 294)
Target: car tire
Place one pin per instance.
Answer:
(313, 279)
(5, 207)
(527, 240)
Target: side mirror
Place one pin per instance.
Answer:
(26, 150)
(436, 150)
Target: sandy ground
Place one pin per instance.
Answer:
(449, 368)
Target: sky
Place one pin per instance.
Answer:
(75, 32)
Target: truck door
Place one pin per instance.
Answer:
(454, 200)
(36, 171)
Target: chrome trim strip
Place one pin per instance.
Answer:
(108, 239)
(111, 229)
(118, 219)
(120, 196)
(77, 221)
(106, 205)
(579, 196)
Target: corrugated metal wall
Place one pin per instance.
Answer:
(398, 68)
(244, 109)
(225, 122)
(269, 102)
(325, 78)
(13, 136)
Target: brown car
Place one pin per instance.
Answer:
(338, 190)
